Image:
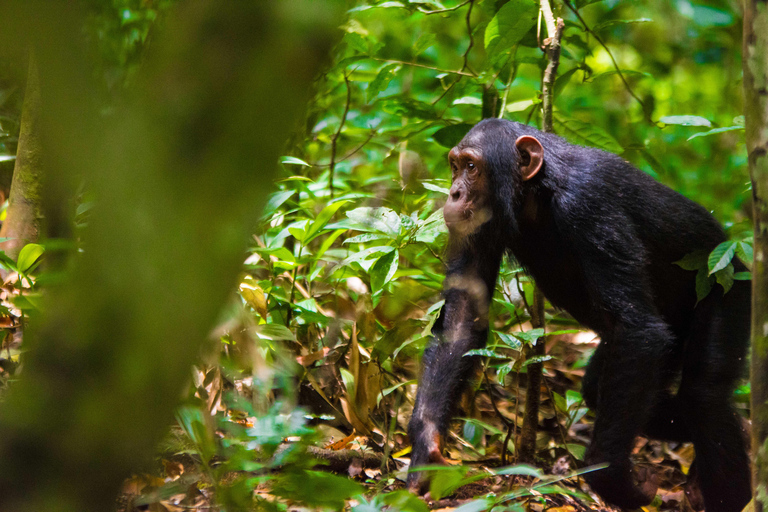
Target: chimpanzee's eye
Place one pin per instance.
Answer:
(471, 165)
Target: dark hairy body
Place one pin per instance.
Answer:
(600, 238)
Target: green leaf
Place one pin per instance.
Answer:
(378, 219)
(449, 136)
(745, 253)
(383, 270)
(476, 505)
(365, 237)
(725, 278)
(424, 41)
(484, 352)
(509, 340)
(572, 398)
(721, 256)
(381, 82)
(315, 489)
(586, 134)
(293, 161)
(742, 276)
(276, 200)
(511, 23)
(537, 359)
(529, 336)
(274, 332)
(28, 256)
(696, 260)
(716, 131)
(436, 188)
(686, 121)
(322, 219)
(522, 470)
(703, 284)
(349, 382)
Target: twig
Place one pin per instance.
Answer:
(550, 74)
(425, 66)
(510, 426)
(599, 40)
(335, 139)
(447, 9)
(471, 38)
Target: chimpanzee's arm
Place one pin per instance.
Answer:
(462, 326)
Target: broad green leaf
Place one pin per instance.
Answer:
(745, 253)
(435, 188)
(381, 82)
(405, 501)
(349, 382)
(529, 336)
(468, 100)
(383, 270)
(573, 397)
(716, 131)
(364, 254)
(510, 24)
(449, 136)
(721, 256)
(537, 359)
(322, 219)
(316, 489)
(476, 505)
(424, 41)
(274, 332)
(293, 161)
(742, 276)
(365, 237)
(483, 352)
(518, 106)
(703, 284)
(28, 256)
(693, 261)
(509, 340)
(522, 470)
(686, 120)
(725, 277)
(586, 134)
(378, 219)
(408, 107)
(276, 200)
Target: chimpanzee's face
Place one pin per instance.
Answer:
(467, 206)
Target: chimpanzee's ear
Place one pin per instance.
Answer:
(531, 156)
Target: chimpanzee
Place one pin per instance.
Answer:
(601, 239)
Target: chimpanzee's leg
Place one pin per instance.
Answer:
(714, 361)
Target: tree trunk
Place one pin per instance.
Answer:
(756, 120)
(22, 221)
(179, 175)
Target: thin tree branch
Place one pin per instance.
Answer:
(335, 139)
(575, 11)
(471, 38)
(425, 66)
(447, 9)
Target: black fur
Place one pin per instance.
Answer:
(600, 238)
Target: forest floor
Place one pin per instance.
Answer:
(360, 457)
